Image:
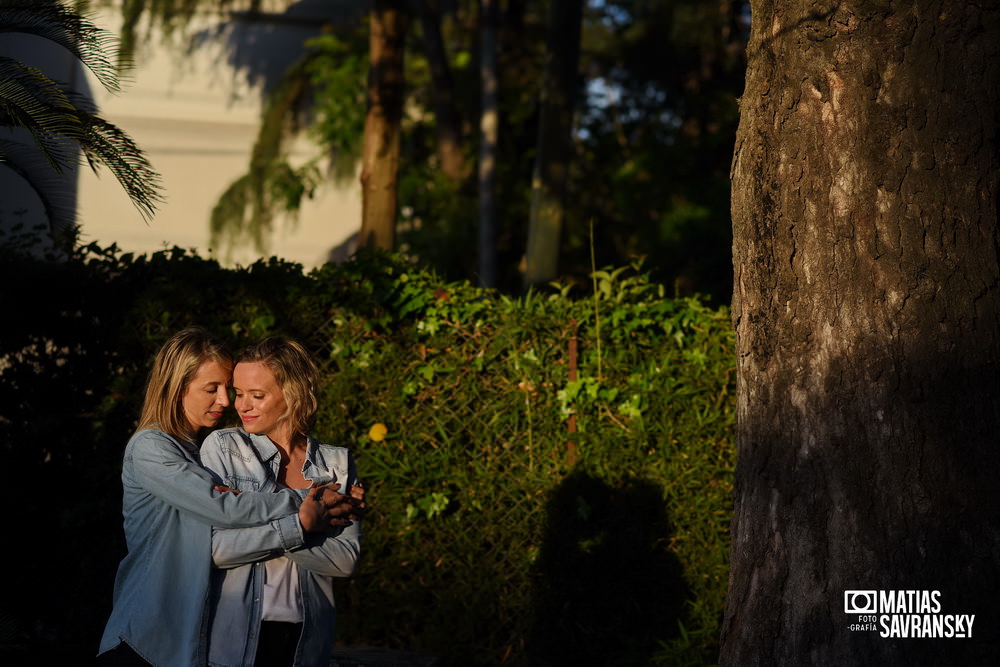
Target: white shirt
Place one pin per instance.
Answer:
(281, 591)
(281, 588)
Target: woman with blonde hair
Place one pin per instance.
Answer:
(170, 503)
(272, 605)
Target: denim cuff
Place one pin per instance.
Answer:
(289, 531)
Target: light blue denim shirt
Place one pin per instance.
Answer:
(162, 586)
(250, 462)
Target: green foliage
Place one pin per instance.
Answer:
(512, 503)
(323, 90)
(338, 75)
(653, 143)
(272, 186)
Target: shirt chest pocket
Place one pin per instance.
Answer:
(334, 475)
(245, 482)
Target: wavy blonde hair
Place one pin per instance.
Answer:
(173, 370)
(297, 377)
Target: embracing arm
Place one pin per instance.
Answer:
(233, 547)
(336, 553)
(158, 465)
(333, 554)
(330, 551)
(226, 455)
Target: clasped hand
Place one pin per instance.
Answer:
(325, 507)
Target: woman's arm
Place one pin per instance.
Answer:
(241, 546)
(227, 455)
(331, 552)
(336, 553)
(158, 465)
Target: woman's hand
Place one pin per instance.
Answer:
(324, 508)
(356, 496)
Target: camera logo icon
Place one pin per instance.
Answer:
(860, 602)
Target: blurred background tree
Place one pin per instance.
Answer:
(654, 87)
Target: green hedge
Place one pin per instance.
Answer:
(521, 516)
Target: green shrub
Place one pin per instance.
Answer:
(554, 485)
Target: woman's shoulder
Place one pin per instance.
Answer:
(156, 445)
(226, 437)
(151, 433)
(328, 451)
(151, 437)
(337, 460)
(325, 446)
(229, 449)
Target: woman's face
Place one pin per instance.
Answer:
(207, 395)
(260, 402)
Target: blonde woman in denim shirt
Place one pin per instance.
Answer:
(273, 605)
(170, 503)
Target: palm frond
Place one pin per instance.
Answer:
(70, 28)
(106, 144)
(244, 214)
(32, 101)
(62, 123)
(233, 217)
(282, 111)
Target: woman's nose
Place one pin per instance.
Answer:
(222, 397)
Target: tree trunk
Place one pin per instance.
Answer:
(867, 312)
(489, 127)
(555, 126)
(447, 120)
(380, 162)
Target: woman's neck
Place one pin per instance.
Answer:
(293, 453)
(287, 441)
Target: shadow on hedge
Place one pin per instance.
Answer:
(608, 588)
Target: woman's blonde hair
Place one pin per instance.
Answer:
(297, 377)
(174, 369)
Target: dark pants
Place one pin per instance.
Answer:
(121, 656)
(277, 643)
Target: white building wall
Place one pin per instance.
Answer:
(196, 120)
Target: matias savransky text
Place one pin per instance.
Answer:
(905, 614)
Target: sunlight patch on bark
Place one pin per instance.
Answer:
(844, 189)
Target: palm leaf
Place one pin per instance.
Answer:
(65, 125)
(32, 101)
(106, 144)
(169, 16)
(69, 28)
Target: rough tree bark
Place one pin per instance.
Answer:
(380, 161)
(867, 312)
